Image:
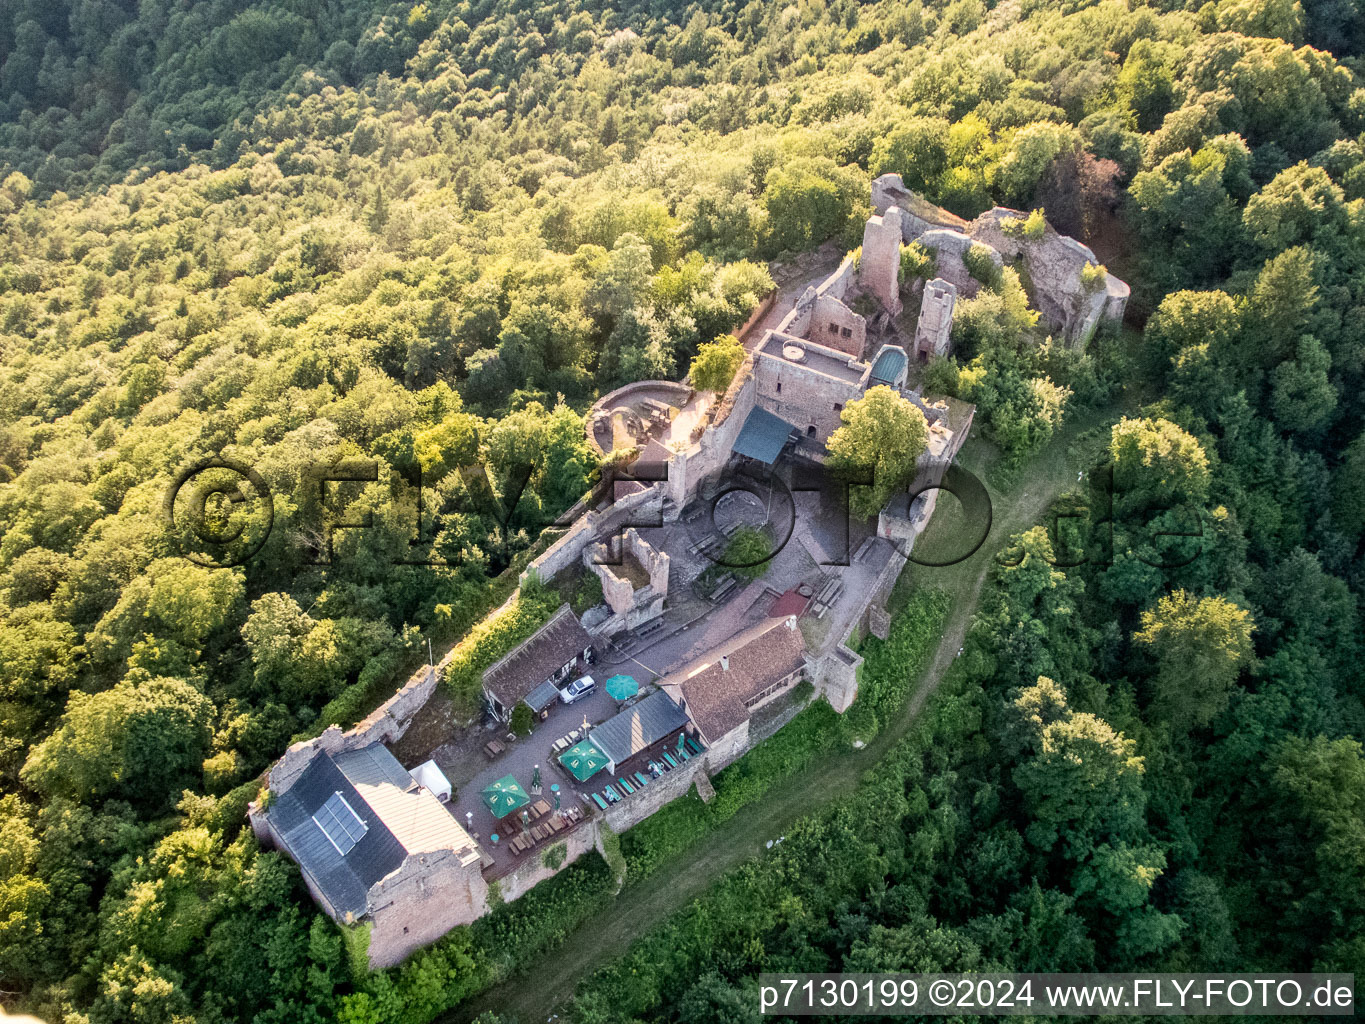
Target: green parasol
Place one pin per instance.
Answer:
(504, 796)
(583, 760)
(622, 687)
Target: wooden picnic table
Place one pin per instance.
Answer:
(493, 748)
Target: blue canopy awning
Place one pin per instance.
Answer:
(763, 436)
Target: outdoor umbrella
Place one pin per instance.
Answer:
(622, 687)
(535, 781)
(504, 796)
(583, 760)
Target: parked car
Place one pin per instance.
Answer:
(578, 689)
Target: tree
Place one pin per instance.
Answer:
(1082, 782)
(143, 740)
(1189, 222)
(716, 363)
(1187, 319)
(1155, 462)
(1348, 490)
(882, 435)
(1302, 397)
(1201, 646)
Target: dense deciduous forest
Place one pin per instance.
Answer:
(429, 235)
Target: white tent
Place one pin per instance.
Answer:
(430, 777)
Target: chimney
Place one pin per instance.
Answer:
(724, 663)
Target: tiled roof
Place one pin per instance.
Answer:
(714, 695)
(551, 647)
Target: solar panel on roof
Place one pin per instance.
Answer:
(340, 823)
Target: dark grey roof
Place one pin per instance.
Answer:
(637, 727)
(542, 696)
(550, 648)
(374, 766)
(763, 436)
(343, 881)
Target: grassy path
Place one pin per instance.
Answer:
(1018, 504)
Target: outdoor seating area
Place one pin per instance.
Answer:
(829, 594)
(543, 824)
(654, 766)
(565, 742)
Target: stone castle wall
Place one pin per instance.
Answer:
(629, 812)
(935, 325)
(834, 324)
(533, 870)
(880, 266)
(429, 894)
(802, 396)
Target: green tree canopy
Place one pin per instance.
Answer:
(716, 363)
(882, 435)
(144, 740)
(1201, 646)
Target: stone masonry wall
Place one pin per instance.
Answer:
(835, 325)
(642, 506)
(643, 802)
(429, 894)
(835, 674)
(933, 331)
(806, 399)
(879, 270)
(533, 869)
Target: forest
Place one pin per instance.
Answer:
(425, 237)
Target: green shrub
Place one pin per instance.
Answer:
(890, 665)
(491, 639)
(355, 943)
(229, 813)
(588, 593)
(373, 686)
(980, 263)
(1093, 276)
(685, 821)
(522, 719)
(1032, 227)
(917, 262)
(716, 363)
(940, 376)
(554, 856)
(749, 553)
(514, 936)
